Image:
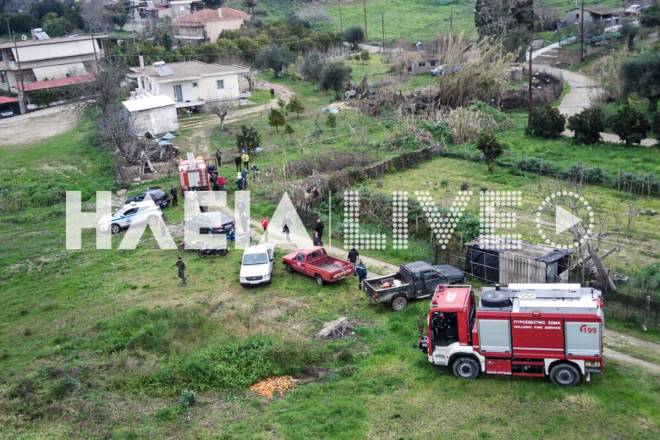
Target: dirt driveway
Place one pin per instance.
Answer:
(35, 126)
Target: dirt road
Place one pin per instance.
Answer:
(203, 125)
(33, 127)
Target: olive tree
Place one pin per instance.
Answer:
(274, 57)
(640, 76)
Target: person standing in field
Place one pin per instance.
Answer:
(222, 181)
(181, 268)
(353, 256)
(319, 227)
(218, 157)
(264, 224)
(361, 272)
(246, 160)
(174, 194)
(237, 162)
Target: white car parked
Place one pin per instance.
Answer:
(257, 264)
(136, 212)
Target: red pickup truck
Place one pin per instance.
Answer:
(315, 262)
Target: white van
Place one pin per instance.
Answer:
(257, 264)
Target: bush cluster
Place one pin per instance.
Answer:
(546, 122)
(587, 126)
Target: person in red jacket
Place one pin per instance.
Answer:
(222, 181)
(264, 224)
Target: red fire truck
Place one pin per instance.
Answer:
(532, 330)
(194, 174)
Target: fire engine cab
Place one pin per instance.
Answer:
(532, 330)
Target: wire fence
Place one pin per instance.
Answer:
(638, 308)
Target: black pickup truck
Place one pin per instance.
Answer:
(413, 280)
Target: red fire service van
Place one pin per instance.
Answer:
(532, 330)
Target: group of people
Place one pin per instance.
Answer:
(358, 265)
(243, 170)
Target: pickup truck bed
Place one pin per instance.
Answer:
(316, 263)
(413, 280)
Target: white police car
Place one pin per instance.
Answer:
(137, 212)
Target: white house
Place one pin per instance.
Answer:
(190, 83)
(45, 63)
(152, 114)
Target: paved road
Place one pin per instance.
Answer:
(583, 91)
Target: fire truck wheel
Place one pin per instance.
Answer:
(565, 375)
(318, 279)
(399, 303)
(465, 368)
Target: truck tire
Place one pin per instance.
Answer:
(495, 298)
(565, 375)
(318, 279)
(399, 303)
(289, 268)
(465, 367)
(223, 252)
(115, 228)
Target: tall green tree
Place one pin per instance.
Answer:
(641, 75)
(276, 118)
(354, 35)
(335, 76)
(295, 105)
(490, 147)
(275, 57)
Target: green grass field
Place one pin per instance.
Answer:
(421, 20)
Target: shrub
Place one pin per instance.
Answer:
(335, 76)
(188, 398)
(587, 125)
(234, 365)
(648, 279)
(629, 124)
(490, 147)
(248, 139)
(655, 125)
(466, 123)
(595, 175)
(534, 165)
(311, 66)
(546, 122)
(144, 329)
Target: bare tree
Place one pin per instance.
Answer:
(220, 109)
(97, 15)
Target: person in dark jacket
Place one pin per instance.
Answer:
(317, 239)
(237, 162)
(181, 267)
(174, 194)
(361, 272)
(319, 227)
(353, 256)
(218, 157)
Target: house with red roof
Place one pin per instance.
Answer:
(206, 25)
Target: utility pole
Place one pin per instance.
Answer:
(529, 87)
(582, 32)
(21, 90)
(341, 22)
(382, 30)
(451, 21)
(364, 7)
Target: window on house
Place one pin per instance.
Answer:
(577, 15)
(422, 64)
(220, 84)
(432, 63)
(194, 83)
(3, 77)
